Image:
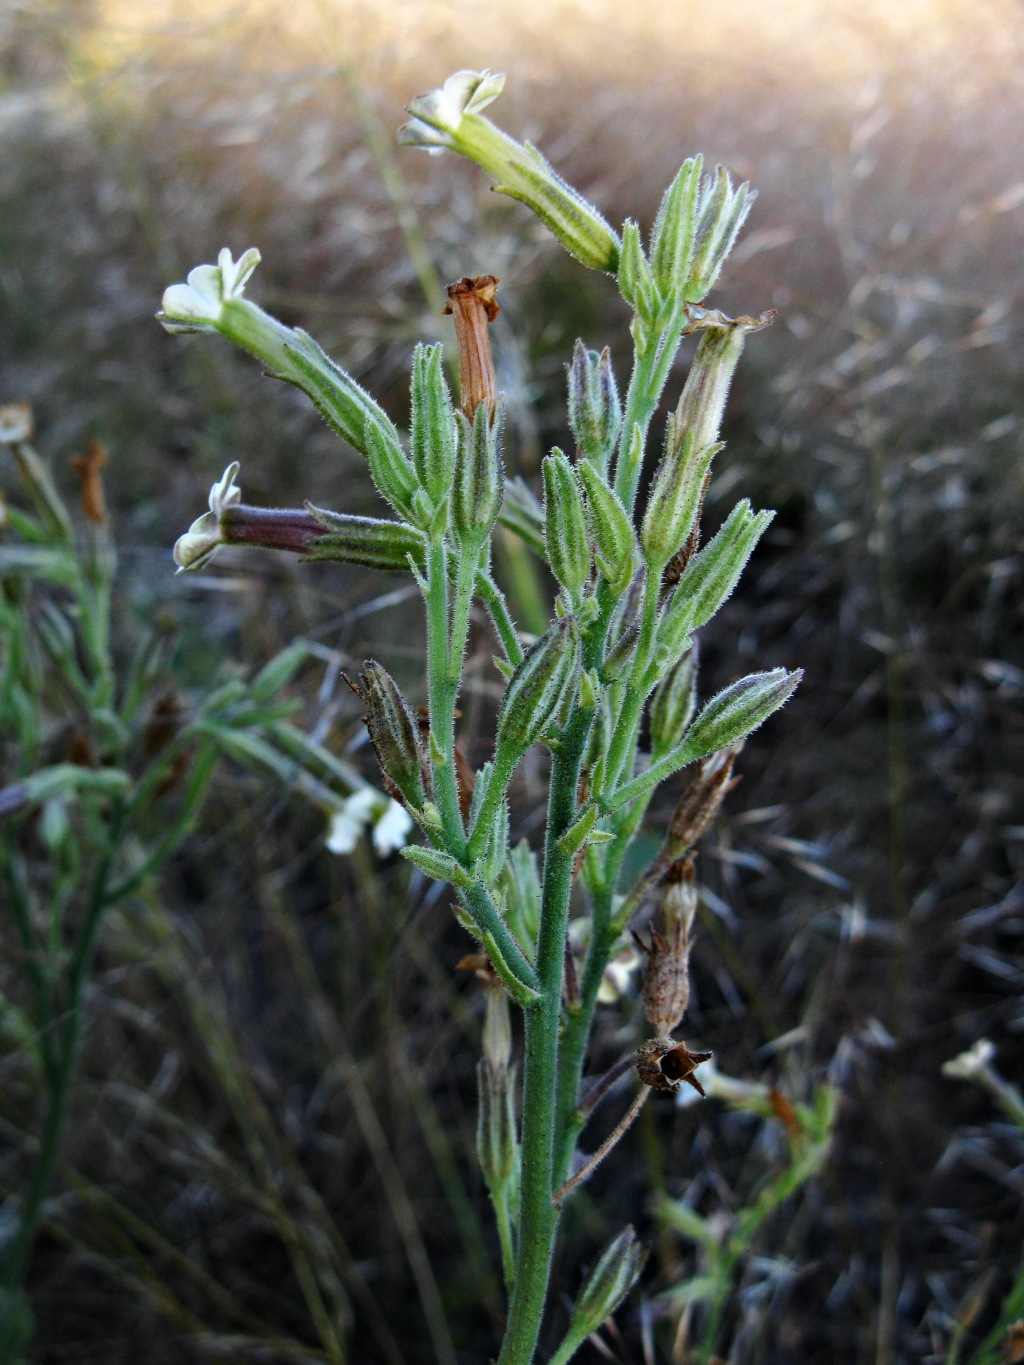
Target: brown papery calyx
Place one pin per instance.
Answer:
(473, 307)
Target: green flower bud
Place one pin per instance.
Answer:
(566, 535)
(442, 867)
(720, 215)
(539, 686)
(361, 540)
(608, 1284)
(739, 709)
(595, 411)
(522, 513)
(394, 732)
(450, 118)
(479, 476)
(433, 423)
(675, 228)
(611, 526)
(674, 704)
(711, 576)
(674, 502)
(636, 281)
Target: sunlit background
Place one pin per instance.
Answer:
(882, 415)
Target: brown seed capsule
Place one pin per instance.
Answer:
(662, 1063)
(667, 974)
(473, 306)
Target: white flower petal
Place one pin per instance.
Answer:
(197, 546)
(225, 492)
(392, 830)
(971, 1063)
(343, 833)
(182, 303)
(487, 86)
(416, 133)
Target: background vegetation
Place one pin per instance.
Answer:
(279, 1057)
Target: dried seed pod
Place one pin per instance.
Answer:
(667, 975)
(663, 1063)
(473, 306)
(394, 733)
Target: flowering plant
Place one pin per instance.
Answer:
(609, 688)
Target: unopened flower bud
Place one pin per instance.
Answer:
(595, 411)
(675, 229)
(394, 732)
(433, 423)
(710, 576)
(566, 534)
(538, 687)
(674, 704)
(739, 709)
(608, 1284)
(720, 215)
(611, 526)
(674, 502)
(479, 476)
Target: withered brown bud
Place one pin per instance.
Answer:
(473, 306)
(667, 974)
(394, 733)
(663, 1063)
(701, 801)
(88, 468)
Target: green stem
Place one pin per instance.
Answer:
(40, 988)
(538, 1217)
(649, 377)
(442, 694)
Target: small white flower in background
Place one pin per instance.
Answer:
(197, 305)
(622, 965)
(199, 543)
(972, 1063)
(437, 116)
(15, 423)
(391, 832)
(349, 821)
(391, 823)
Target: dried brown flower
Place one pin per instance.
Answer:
(88, 467)
(473, 306)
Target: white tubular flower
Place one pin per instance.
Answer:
(350, 819)
(969, 1065)
(198, 305)
(436, 117)
(199, 543)
(392, 830)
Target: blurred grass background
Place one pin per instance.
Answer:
(278, 1069)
